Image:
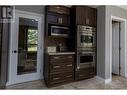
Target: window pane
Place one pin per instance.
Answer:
(32, 48)
(27, 46)
(32, 36)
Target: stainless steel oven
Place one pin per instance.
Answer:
(85, 37)
(85, 59)
(59, 31)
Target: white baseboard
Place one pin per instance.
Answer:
(125, 76)
(8, 83)
(108, 81)
(103, 80)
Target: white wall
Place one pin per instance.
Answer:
(103, 39)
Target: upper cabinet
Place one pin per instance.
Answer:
(59, 15)
(54, 18)
(58, 9)
(85, 15)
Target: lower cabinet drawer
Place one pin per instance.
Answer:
(61, 67)
(82, 74)
(61, 78)
(85, 73)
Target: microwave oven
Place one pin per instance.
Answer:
(59, 31)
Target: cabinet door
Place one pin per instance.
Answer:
(91, 15)
(95, 17)
(82, 74)
(59, 9)
(65, 19)
(54, 18)
(85, 16)
(81, 15)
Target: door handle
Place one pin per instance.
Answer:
(14, 51)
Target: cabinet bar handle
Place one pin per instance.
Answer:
(58, 20)
(56, 66)
(92, 73)
(56, 78)
(69, 65)
(61, 20)
(81, 75)
(69, 56)
(56, 57)
(69, 76)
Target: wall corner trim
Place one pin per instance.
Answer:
(100, 79)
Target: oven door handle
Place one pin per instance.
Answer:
(86, 53)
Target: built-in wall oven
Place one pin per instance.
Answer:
(85, 59)
(85, 37)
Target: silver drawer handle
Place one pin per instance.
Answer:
(56, 57)
(81, 75)
(91, 73)
(56, 66)
(69, 65)
(69, 76)
(69, 56)
(56, 78)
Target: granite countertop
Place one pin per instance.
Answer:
(60, 53)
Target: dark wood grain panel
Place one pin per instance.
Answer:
(85, 73)
(85, 15)
(61, 63)
(60, 78)
(60, 69)
(58, 9)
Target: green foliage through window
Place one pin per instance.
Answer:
(32, 40)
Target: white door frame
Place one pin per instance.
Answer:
(12, 77)
(123, 44)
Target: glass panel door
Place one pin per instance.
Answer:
(27, 46)
(25, 58)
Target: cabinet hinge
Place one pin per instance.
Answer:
(120, 29)
(120, 68)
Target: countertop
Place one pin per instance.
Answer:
(60, 53)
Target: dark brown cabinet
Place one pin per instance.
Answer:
(58, 15)
(54, 18)
(61, 63)
(58, 68)
(85, 73)
(61, 69)
(58, 9)
(85, 15)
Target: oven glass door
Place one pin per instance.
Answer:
(86, 40)
(83, 40)
(84, 59)
(89, 39)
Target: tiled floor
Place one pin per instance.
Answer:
(93, 83)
